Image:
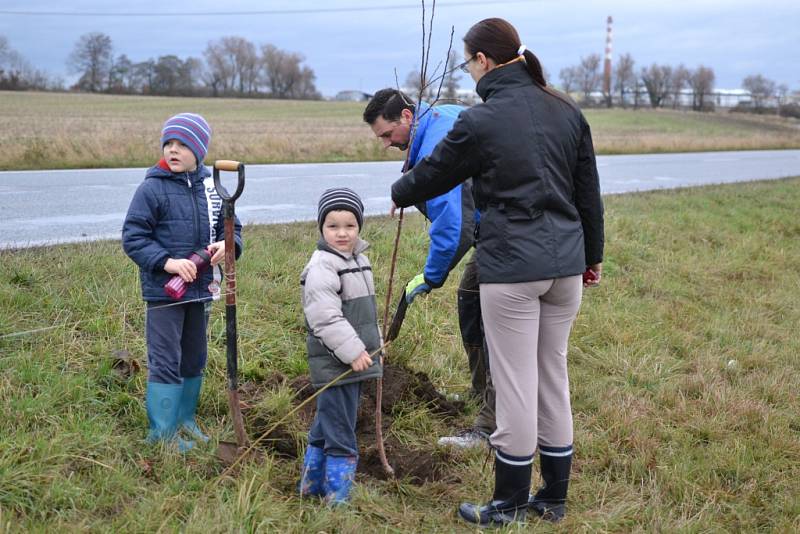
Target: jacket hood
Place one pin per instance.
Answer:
(161, 170)
(505, 77)
(421, 117)
(360, 247)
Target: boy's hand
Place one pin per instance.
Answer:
(218, 252)
(361, 363)
(186, 269)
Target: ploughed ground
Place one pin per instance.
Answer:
(402, 388)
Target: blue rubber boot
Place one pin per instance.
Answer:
(340, 472)
(312, 478)
(188, 407)
(162, 402)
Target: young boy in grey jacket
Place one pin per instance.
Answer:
(342, 321)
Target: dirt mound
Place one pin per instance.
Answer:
(415, 466)
(401, 386)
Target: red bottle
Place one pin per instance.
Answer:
(176, 287)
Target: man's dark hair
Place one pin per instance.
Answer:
(387, 103)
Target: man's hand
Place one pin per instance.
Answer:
(184, 268)
(218, 252)
(416, 286)
(392, 210)
(362, 363)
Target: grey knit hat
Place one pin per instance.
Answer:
(340, 198)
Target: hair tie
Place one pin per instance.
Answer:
(521, 50)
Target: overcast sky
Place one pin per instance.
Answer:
(360, 48)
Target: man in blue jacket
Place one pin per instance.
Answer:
(397, 122)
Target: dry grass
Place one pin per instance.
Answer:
(683, 364)
(646, 131)
(46, 130)
(50, 130)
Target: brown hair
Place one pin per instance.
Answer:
(499, 41)
(387, 103)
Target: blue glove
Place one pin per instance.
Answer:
(416, 286)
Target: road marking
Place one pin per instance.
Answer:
(270, 207)
(68, 219)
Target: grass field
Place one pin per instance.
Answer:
(684, 370)
(49, 130)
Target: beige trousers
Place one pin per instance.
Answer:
(527, 328)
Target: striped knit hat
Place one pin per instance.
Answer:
(340, 198)
(190, 129)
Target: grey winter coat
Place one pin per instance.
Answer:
(341, 314)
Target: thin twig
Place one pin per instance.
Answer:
(333, 382)
(418, 114)
(449, 51)
(441, 82)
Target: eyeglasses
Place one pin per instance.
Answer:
(464, 67)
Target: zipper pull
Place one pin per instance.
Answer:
(188, 181)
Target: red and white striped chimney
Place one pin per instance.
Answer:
(607, 62)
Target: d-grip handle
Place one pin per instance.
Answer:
(232, 166)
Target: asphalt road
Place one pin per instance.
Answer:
(44, 207)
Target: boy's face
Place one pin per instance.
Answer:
(179, 157)
(340, 230)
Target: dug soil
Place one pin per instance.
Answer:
(402, 389)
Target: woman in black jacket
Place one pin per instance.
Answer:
(529, 151)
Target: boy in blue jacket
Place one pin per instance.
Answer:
(174, 212)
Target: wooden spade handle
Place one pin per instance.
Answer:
(227, 165)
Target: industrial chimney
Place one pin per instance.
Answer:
(607, 64)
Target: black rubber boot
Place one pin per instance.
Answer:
(512, 485)
(550, 502)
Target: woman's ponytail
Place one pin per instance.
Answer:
(499, 40)
(534, 68)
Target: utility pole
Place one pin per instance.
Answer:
(607, 64)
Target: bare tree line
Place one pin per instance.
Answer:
(662, 85)
(16, 74)
(231, 66)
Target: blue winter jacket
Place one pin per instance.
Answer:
(452, 215)
(170, 216)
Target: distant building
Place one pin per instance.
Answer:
(352, 96)
(719, 98)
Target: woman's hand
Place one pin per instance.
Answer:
(362, 363)
(593, 274)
